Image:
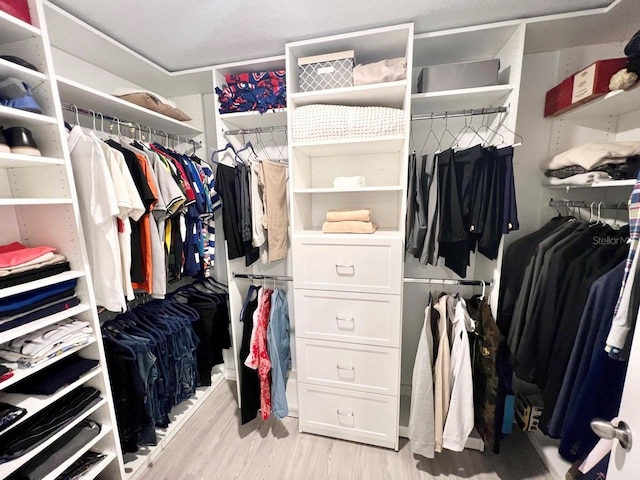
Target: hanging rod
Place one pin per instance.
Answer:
(583, 204)
(250, 131)
(70, 107)
(459, 113)
(252, 276)
(447, 281)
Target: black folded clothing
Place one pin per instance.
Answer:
(57, 376)
(40, 312)
(9, 414)
(34, 274)
(81, 466)
(4, 370)
(43, 425)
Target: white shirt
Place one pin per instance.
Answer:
(98, 210)
(460, 419)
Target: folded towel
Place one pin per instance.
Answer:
(348, 227)
(345, 182)
(362, 215)
(579, 179)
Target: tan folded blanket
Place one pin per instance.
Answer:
(362, 215)
(348, 226)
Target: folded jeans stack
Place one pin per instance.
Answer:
(81, 466)
(349, 182)
(259, 91)
(349, 221)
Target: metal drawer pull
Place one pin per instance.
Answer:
(352, 267)
(351, 368)
(345, 414)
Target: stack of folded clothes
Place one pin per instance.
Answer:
(9, 414)
(261, 91)
(81, 466)
(349, 221)
(349, 182)
(592, 163)
(20, 264)
(46, 343)
(15, 93)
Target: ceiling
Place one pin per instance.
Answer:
(186, 34)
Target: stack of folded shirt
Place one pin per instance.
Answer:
(20, 264)
(23, 308)
(592, 163)
(349, 182)
(349, 221)
(259, 91)
(46, 343)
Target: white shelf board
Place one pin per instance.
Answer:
(612, 104)
(43, 282)
(603, 184)
(135, 464)
(24, 118)
(389, 94)
(547, 449)
(380, 233)
(244, 120)
(22, 373)
(466, 98)
(348, 190)
(81, 40)
(360, 146)
(8, 468)
(34, 403)
(41, 323)
(104, 431)
(10, 69)
(16, 202)
(13, 160)
(90, 98)
(13, 29)
(100, 466)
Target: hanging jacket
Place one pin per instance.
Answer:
(441, 373)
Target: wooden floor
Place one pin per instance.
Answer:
(213, 445)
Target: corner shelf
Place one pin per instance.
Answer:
(359, 146)
(24, 118)
(13, 160)
(466, 98)
(41, 323)
(43, 282)
(10, 69)
(244, 120)
(348, 190)
(612, 104)
(388, 94)
(382, 234)
(34, 403)
(90, 98)
(13, 29)
(16, 202)
(22, 373)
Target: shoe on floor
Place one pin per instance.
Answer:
(4, 148)
(21, 141)
(18, 61)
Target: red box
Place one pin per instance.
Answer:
(17, 8)
(582, 87)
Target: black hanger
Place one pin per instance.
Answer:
(222, 150)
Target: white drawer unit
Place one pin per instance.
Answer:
(345, 365)
(348, 317)
(355, 416)
(349, 266)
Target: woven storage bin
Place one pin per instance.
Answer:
(324, 72)
(314, 123)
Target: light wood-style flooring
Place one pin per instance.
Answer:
(213, 445)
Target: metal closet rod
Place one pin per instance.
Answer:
(70, 107)
(253, 276)
(583, 204)
(447, 281)
(250, 131)
(459, 113)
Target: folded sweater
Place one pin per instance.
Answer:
(348, 227)
(362, 215)
(591, 155)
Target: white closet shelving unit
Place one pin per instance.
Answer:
(39, 206)
(348, 287)
(269, 129)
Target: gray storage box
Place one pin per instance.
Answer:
(323, 72)
(453, 76)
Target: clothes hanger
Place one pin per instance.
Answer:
(466, 128)
(515, 134)
(489, 129)
(226, 148)
(431, 132)
(446, 130)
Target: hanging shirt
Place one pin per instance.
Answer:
(441, 372)
(258, 358)
(459, 422)
(98, 211)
